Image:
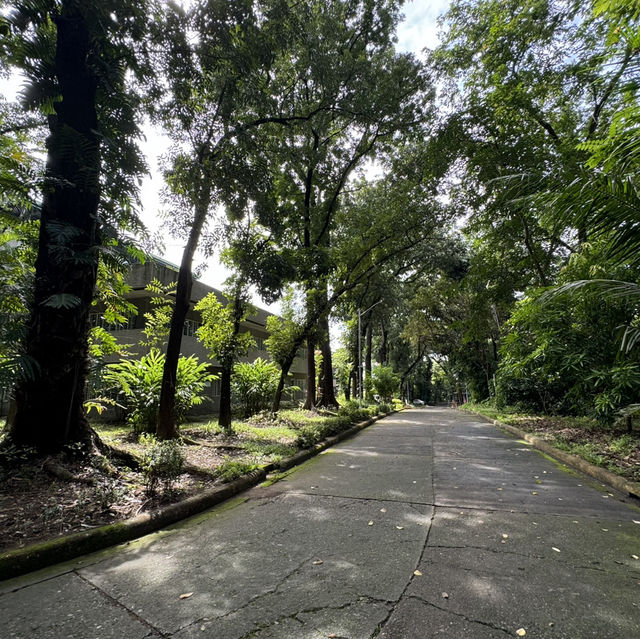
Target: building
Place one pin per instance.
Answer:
(165, 272)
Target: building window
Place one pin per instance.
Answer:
(302, 353)
(190, 327)
(260, 343)
(215, 388)
(96, 319)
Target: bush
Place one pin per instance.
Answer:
(352, 410)
(139, 381)
(254, 385)
(163, 461)
(385, 408)
(232, 469)
(385, 382)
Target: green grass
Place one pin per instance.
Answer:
(279, 432)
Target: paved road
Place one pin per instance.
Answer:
(427, 524)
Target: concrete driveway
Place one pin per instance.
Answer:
(427, 524)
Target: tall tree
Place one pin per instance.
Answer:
(79, 81)
(362, 93)
(226, 66)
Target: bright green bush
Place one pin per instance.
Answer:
(253, 386)
(354, 412)
(385, 382)
(138, 383)
(563, 356)
(231, 469)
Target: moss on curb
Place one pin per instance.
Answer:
(20, 561)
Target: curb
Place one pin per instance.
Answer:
(615, 481)
(20, 561)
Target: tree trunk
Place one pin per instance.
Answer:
(167, 426)
(367, 359)
(310, 398)
(284, 371)
(49, 403)
(224, 417)
(383, 355)
(355, 382)
(328, 395)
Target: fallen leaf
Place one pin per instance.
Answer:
(417, 573)
(634, 556)
(555, 549)
(605, 530)
(635, 521)
(371, 523)
(499, 488)
(400, 527)
(383, 510)
(318, 562)
(202, 628)
(445, 595)
(539, 481)
(186, 595)
(505, 536)
(534, 493)
(521, 632)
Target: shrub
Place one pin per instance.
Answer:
(138, 381)
(253, 386)
(352, 410)
(163, 461)
(385, 408)
(232, 469)
(385, 381)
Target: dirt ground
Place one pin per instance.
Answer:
(36, 505)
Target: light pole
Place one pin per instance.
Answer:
(360, 362)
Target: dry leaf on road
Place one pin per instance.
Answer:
(186, 595)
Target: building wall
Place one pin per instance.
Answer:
(166, 273)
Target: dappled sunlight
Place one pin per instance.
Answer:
(356, 452)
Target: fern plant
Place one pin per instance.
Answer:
(138, 383)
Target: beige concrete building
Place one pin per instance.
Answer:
(165, 272)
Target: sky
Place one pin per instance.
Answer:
(417, 31)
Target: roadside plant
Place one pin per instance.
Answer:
(253, 385)
(385, 382)
(138, 381)
(162, 463)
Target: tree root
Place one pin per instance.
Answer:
(60, 472)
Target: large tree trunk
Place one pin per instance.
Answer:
(327, 392)
(49, 403)
(310, 398)
(167, 425)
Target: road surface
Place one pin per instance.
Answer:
(429, 523)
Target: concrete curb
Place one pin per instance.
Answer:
(605, 476)
(20, 561)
